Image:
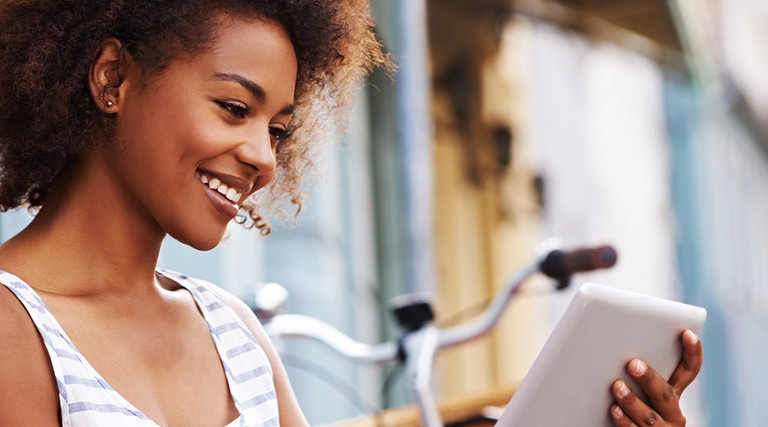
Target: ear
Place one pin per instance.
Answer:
(106, 74)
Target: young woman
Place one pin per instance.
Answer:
(125, 121)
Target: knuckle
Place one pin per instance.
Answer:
(651, 419)
(669, 395)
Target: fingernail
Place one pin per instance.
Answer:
(691, 337)
(623, 390)
(617, 412)
(640, 367)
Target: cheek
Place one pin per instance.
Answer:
(168, 121)
(185, 138)
(198, 142)
(162, 153)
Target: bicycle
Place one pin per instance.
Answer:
(420, 339)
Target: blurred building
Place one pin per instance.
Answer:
(638, 124)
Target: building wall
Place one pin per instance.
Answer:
(720, 179)
(486, 210)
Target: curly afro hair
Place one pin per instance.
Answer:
(47, 115)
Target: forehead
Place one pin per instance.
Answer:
(251, 35)
(259, 50)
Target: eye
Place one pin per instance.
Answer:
(280, 134)
(237, 110)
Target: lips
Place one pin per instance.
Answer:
(215, 184)
(225, 196)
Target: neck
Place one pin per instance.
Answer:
(88, 238)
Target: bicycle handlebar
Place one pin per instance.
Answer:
(297, 325)
(561, 265)
(557, 264)
(421, 339)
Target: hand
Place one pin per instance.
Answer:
(664, 397)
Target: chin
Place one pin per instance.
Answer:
(202, 241)
(205, 246)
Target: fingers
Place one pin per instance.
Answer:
(690, 365)
(619, 418)
(662, 396)
(632, 411)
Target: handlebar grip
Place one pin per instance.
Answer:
(561, 265)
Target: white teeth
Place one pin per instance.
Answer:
(215, 184)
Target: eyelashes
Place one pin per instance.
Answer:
(280, 134)
(236, 110)
(240, 112)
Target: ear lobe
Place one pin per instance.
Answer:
(104, 77)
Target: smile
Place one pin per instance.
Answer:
(215, 184)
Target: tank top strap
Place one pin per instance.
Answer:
(249, 374)
(84, 397)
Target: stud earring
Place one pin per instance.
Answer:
(110, 104)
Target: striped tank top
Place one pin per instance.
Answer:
(87, 400)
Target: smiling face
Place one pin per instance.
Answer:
(194, 141)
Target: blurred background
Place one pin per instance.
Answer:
(636, 123)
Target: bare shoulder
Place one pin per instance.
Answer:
(28, 392)
(290, 412)
(246, 315)
(241, 309)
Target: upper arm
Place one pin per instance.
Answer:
(290, 412)
(28, 391)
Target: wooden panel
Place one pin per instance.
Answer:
(452, 411)
(646, 26)
(487, 213)
(648, 18)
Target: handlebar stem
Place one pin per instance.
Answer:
(420, 346)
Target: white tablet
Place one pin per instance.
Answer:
(602, 329)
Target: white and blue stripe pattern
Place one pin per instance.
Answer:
(87, 400)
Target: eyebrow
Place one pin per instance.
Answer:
(254, 88)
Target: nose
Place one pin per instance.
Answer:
(258, 152)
